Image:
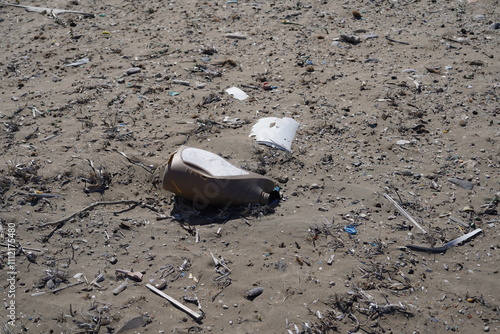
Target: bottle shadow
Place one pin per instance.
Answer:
(187, 211)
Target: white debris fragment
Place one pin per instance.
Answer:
(237, 93)
(275, 132)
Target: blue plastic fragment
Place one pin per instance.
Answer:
(350, 229)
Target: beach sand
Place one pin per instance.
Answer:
(392, 98)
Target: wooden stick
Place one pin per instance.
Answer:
(406, 214)
(66, 286)
(186, 309)
(91, 206)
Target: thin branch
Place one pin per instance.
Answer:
(66, 286)
(90, 207)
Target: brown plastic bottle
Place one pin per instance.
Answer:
(209, 180)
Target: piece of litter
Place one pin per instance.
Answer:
(135, 275)
(275, 132)
(53, 11)
(237, 93)
(236, 35)
(461, 183)
(350, 229)
(79, 62)
(195, 315)
(406, 214)
(121, 287)
(181, 82)
(403, 142)
(253, 293)
(133, 70)
(443, 248)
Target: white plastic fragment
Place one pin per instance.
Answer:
(133, 70)
(237, 93)
(53, 11)
(410, 218)
(403, 142)
(275, 132)
(236, 35)
(79, 62)
(464, 237)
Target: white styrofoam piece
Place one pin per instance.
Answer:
(237, 93)
(275, 132)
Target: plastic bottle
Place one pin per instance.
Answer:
(209, 180)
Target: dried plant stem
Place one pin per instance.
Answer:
(66, 286)
(59, 223)
(91, 206)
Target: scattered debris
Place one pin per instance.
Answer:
(253, 293)
(121, 287)
(133, 70)
(395, 41)
(461, 183)
(79, 62)
(443, 248)
(352, 39)
(53, 11)
(135, 275)
(236, 35)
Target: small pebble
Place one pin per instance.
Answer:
(356, 14)
(236, 35)
(133, 70)
(495, 26)
(253, 293)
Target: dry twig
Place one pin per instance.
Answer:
(91, 206)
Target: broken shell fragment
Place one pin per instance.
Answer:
(135, 275)
(133, 70)
(121, 287)
(468, 209)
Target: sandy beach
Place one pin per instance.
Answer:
(396, 155)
